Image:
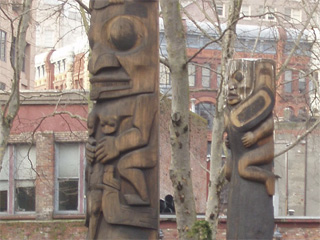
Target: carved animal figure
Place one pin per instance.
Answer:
(249, 123)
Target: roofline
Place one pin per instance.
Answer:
(49, 97)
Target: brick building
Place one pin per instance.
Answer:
(293, 88)
(43, 170)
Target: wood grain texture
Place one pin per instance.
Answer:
(122, 149)
(249, 127)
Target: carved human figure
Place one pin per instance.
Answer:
(249, 121)
(121, 151)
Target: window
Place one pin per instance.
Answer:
(164, 76)
(69, 178)
(48, 38)
(57, 67)
(60, 66)
(267, 13)
(192, 75)
(3, 41)
(207, 111)
(288, 81)
(245, 11)
(17, 190)
(4, 183)
(25, 175)
(302, 82)
(270, 16)
(43, 71)
(288, 114)
(296, 15)
(220, 10)
(73, 15)
(293, 15)
(302, 114)
(206, 76)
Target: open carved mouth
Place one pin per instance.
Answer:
(233, 98)
(111, 79)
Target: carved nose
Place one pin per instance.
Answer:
(232, 87)
(100, 61)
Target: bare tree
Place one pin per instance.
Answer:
(226, 37)
(180, 172)
(18, 45)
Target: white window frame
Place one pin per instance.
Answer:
(80, 179)
(164, 78)
(3, 45)
(248, 14)
(267, 16)
(206, 75)
(219, 6)
(191, 74)
(288, 80)
(265, 10)
(291, 18)
(302, 80)
(13, 178)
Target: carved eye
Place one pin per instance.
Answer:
(124, 33)
(238, 76)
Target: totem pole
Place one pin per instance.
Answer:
(122, 149)
(249, 127)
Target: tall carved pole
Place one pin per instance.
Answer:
(122, 150)
(249, 127)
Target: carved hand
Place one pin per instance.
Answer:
(90, 150)
(106, 149)
(248, 139)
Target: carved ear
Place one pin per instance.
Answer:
(265, 74)
(252, 111)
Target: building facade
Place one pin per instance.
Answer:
(43, 171)
(7, 38)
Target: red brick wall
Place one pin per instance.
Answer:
(45, 179)
(75, 230)
(198, 153)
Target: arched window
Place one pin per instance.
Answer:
(207, 111)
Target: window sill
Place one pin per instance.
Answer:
(68, 216)
(17, 217)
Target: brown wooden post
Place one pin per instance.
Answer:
(122, 149)
(249, 127)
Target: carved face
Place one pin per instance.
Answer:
(240, 82)
(123, 39)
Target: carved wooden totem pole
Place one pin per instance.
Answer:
(249, 127)
(122, 149)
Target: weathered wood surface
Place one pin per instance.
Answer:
(249, 127)
(122, 149)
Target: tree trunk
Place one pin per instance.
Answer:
(11, 107)
(180, 172)
(216, 181)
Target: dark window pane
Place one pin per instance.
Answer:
(25, 199)
(3, 201)
(207, 111)
(68, 195)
